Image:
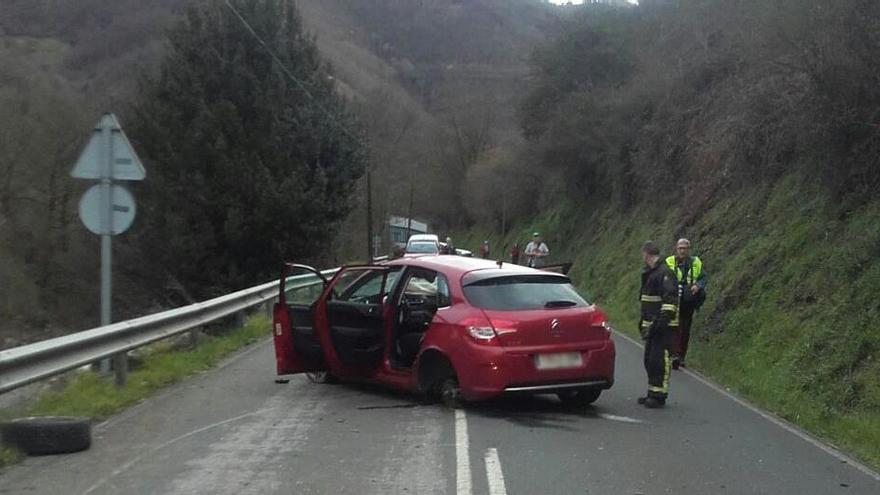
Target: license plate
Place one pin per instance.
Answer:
(558, 361)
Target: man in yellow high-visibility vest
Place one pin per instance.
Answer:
(692, 292)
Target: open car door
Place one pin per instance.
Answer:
(297, 346)
(351, 317)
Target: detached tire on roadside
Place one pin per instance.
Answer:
(47, 435)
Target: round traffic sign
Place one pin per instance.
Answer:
(92, 209)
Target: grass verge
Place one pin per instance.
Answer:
(91, 395)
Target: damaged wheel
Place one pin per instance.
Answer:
(450, 393)
(321, 377)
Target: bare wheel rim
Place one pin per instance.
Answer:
(317, 376)
(450, 392)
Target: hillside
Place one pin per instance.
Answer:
(753, 132)
(63, 63)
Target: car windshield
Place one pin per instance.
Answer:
(523, 292)
(421, 247)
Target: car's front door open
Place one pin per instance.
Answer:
(297, 346)
(353, 306)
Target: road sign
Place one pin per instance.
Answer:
(124, 162)
(107, 209)
(91, 209)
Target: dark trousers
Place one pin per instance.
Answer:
(683, 335)
(658, 364)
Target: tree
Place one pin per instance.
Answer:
(252, 158)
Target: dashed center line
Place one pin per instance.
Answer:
(494, 473)
(621, 419)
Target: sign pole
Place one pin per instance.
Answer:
(105, 221)
(107, 209)
(120, 361)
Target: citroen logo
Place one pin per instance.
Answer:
(555, 328)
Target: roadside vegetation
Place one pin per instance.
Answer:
(88, 394)
(754, 130)
(789, 323)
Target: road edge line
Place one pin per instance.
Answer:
(462, 455)
(773, 418)
(494, 473)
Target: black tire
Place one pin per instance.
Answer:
(450, 393)
(580, 397)
(47, 435)
(321, 377)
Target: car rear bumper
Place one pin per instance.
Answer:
(505, 371)
(551, 388)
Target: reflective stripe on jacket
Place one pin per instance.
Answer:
(658, 297)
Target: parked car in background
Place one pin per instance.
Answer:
(423, 244)
(452, 327)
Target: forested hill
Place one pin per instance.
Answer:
(433, 85)
(752, 128)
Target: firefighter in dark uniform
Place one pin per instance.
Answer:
(659, 303)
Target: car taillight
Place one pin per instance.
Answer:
(482, 333)
(486, 331)
(600, 320)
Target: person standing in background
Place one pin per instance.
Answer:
(536, 251)
(484, 249)
(514, 253)
(692, 293)
(450, 248)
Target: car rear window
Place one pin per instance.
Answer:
(523, 292)
(422, 247)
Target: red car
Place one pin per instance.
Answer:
(453, 327)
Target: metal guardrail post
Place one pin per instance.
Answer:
(240, 319)
(120, 368)
(268, 307)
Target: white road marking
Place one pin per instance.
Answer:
(462, 456)
(494, 473)
(785, 425)
(620, 419)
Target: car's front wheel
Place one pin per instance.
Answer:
(580, 397)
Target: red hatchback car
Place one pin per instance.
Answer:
(454, 327)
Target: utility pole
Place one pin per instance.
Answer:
(369, 216)
(410, 213)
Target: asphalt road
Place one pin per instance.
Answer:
(235, 431)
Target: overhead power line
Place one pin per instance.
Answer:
(287, 71)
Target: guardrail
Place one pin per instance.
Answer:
(26, 364)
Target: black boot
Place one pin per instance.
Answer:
(641, 400)
(654, 402)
